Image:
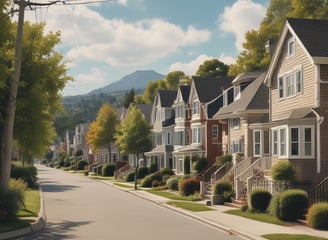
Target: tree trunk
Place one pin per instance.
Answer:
(8, 123)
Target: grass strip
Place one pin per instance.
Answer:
(124, 185)
(281, 236)
(32, 204)
(174, 196)
(191, 206)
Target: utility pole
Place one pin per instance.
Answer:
(10, 108)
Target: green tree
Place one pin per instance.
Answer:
(129, 98)
(102, 131)
(151, 90)
(212, 68)
(172, 79)
(134, 135)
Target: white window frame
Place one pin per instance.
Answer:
(197, 135)
(257, 145)
(291, 46)
(215, 132)
(290, 84)
(235, 123)
(297, 141)
(275, 142)
(312, 141)
(236, 92)
(195, 108)
(283, 142)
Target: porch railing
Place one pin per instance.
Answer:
(319, 193)
(263, 163)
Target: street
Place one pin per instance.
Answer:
(80, 208)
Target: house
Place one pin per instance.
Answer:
(79, 140)
(203, 136)
(298, 81)
(162, 121)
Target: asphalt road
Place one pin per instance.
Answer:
(81, 208)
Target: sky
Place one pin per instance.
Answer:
(105, 41)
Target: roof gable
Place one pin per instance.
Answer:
(166, 97)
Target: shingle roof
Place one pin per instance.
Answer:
(185, 91)
(209, 88)
(145, 109)
(167, 97)
(246, 77)
(254, 97)
(313, 33)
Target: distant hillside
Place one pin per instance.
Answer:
(136, 80)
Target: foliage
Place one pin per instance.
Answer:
(12, 200)
(166, 171)
(27, 173)
(200, 164)
(172, 79)
(151, 90)
(129, 177)
(173, 183)
(147, 182)
(260, 200)
(220, 160)
(81, 164)
(186, 165)
(289, 205)
(284, 236)
(108, 169)
(244, 207)
(283, 171)
(129, 98)
(153, 167)
(318, 215)
(134, 134)
(155, 183)
(142, 172)
(189, 186)
(220, 187)
(212, 68)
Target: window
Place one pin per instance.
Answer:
(235, 123)
(196, 135)
(283, 150)
(187, 136)
(225, 98)
(178, 139)
(179, 112)
(236, 92)
(308, 141)
(215, 132)
(257, 142)
(195, 107)
(294, 141)
(290, 84)
(275, 142)
(291, 47)
(235, 146)
(168, 138)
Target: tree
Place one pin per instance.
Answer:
(134, 135)
(212, 68)
(42, 76)
(102, 131)
(254, 57)
(172, 79)
(151, 90)
(129, 98)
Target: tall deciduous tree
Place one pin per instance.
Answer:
(134, 135)
(212, 68)
(172, 79)
(102, 131)
(151, 90)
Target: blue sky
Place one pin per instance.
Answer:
(103, 42)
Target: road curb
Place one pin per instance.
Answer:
(37, 225)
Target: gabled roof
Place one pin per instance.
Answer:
(167, 97)
(208, 88)
(311, 34)
(246, 77)
(185, 91)
(255, 97)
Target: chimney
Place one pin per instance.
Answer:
(270, 46)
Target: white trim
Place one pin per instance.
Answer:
(260, 143)
(290, 53)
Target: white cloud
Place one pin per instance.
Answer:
(91, 37)
(191, 68)
(242, 16)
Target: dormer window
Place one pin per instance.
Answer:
(236, 93)
(291, 47)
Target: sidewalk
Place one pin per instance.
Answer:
(245, 227)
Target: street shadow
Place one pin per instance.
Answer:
(55, 231)
(48, 186)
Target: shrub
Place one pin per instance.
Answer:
(166, 171)
(173, 183)
(274, 205)
(12, 200)
(318, 216)
(189, 186)
(27, 174)
(155, 183)
(222, 186)
(129, 177)
(108, 169)
(148, 180)
(283, 171)
(244, 207)
(81, 164)
(199, 165)
(142, 172)
(260, 200)
(290, 205)
(186, 165)
(220, 160)
(153, 167)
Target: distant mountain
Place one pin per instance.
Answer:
(136, 80)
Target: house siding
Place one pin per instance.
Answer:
(307, 98)
(214, 146)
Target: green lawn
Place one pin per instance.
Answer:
(291, 237)
(191, 206)
(32, 207)
(174, 196)
(124, 185)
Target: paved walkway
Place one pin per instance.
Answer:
(245, 227)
